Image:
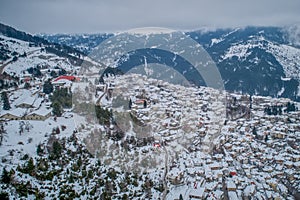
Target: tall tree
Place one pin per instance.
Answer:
(254, 132)
(30, 166)
(57, 109)
(290, 107)
(2, 133)
(39, 150)
(130, 103)
(5, 178)
(6, 104)
(53, 74)
(57, 148)
(180, 197)
(27, 85)
(47, 87)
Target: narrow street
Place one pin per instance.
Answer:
(98, 101)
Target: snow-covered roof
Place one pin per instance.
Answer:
(25, 97)
(42, 111)
(232, 195)
(62, 82)
(197, 192)
(18, 112)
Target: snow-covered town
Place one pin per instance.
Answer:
(68, 134)
(249, 154)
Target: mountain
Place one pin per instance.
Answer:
(72, 54)
(82, 42)
(22, 54)
(252, 60)
(255, 60)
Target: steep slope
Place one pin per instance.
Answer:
(254, 60)
(21, 55)
(61, 50)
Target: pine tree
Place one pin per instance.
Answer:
(56, 149)
(4, 196)
(62, 72)
(125, 197)
(130, 104)
(30, 166)
(290, 107)
(57, 131)
(6, 104)
(254, 132)
(26, 85)
(57, 110)
(266, 138)
(39, 150)
(180, 197)
(53, 74)
(5, 178)
(2, 133)
(47, 87)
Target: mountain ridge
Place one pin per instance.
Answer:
(59, 49)
(252, 60)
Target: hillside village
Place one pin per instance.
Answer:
(149, 139)
(254, 154)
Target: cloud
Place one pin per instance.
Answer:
(293, 33)
(79, 16)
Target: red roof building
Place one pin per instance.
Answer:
(70, 78)
(233, 173)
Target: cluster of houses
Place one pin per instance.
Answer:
(27, 104)
(33, 104)
(250, 154)
(245, 164)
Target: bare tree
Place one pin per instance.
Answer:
(21, 127)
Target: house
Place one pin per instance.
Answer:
(175, 176)
(249, 191)
(40, 114)
(197, 193)
(62, 83)
(232, 173)
(215, 166)
(15, 114)
(65, 81)
(141, 103)
(25, 77)
(10, 116)
(279, 135)
(232, 195)
(231, 186)
(69, 78)
(27, 104)
(25, 99)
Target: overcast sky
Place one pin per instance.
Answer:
(91, 16)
